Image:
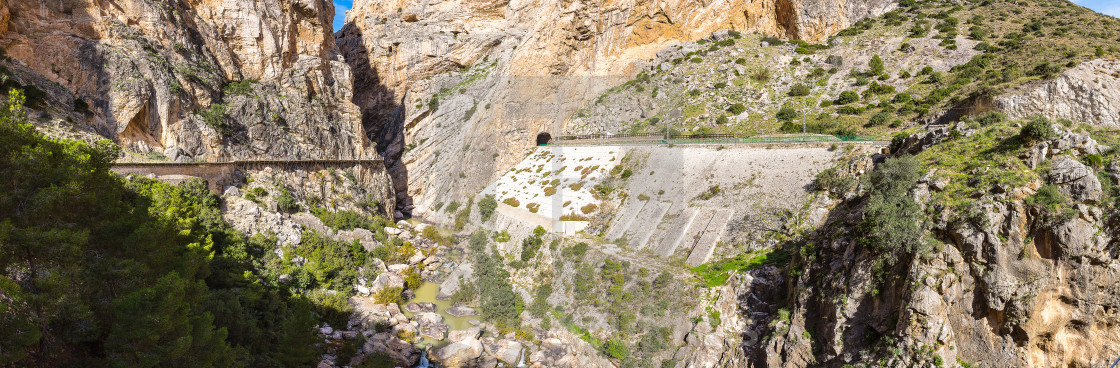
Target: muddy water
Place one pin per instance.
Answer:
(427, 294)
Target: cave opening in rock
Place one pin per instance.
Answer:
(544, 138)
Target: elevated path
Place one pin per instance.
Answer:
(220, 173)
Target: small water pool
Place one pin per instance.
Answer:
(427, 294)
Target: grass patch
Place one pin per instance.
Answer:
(716, 273)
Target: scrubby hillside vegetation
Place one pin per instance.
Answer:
(926, 61)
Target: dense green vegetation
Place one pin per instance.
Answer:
(486, 207)
(892, 220)
(716, 273)
(95, 271)
(497, 301)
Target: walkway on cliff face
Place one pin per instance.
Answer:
(221, 173)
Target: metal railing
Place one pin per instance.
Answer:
(658, 138)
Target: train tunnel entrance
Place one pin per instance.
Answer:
(544, 138)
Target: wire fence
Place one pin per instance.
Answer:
(655, 138)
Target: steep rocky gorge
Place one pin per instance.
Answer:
(492, 75)
(192, 79)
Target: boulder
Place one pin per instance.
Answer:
(507, 351)
(431, 325)
(720, 35)
(1073, 238)
(387, 280)
(463, 335)
(458, 353)
(462, 273)
(460, 311)
(402, 352)
(421, 307)
(1076, 180)
(406, 329)
(417, 258)
(399, 268)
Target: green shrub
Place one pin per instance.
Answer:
(466, 292)
(891, 222)
(799, 90)
(616, 349)
(991, 118)
(880, 89)
(215, 118)
(833, 182)
(716, 273)
(464, 215)
(529, 247)
(875, 66)
(847, 97)
(736, 109)
(1038, 129)
(880, 119)
(787, 114)
(576, 251)
(1046, 70)
(1055, 208)
(348, 220)
(713, 318)
(761, 74)
(240, 88)
(486, 207)
(501, 236)
(389, 295)
(286, 203)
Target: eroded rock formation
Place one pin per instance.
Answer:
(1088, 93)
(492, 75)
(156, 75)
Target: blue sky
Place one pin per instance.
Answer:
(1110, 7)
(340, 8)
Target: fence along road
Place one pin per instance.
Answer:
(656, 138)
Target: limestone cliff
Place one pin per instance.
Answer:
(492, 75)
(194, 79)
(1007, 283)
(1088, 93)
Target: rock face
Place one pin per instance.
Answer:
(1002, 289)
(1075, 180)
(1088, 93)
(156, 75)
(465, 87)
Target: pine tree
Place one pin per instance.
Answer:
(875, 65)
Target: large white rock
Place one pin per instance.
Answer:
(458, 353)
